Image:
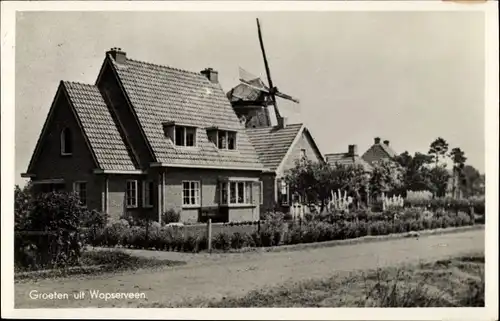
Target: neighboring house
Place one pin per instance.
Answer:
(349, 158)
(278, 149)
(378, 151)
(148, 138)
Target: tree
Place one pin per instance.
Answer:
(351, 178)
(438, 149)
(439, 177)
(458, 158)
(303, 179)
(416, 172)
(315, 181)
(473, 181)
(386, 177)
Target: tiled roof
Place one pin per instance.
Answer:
(98, 125)
(162, 94)
(272, 144)
(388, 150)
(377, 152)
(346, 159)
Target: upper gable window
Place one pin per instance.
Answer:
(66, 142)
(185, 136)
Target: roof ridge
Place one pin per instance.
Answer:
(328, 154)
(77, 83)
(165, 66)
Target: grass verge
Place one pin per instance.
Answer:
(455, 282)
(98, 262)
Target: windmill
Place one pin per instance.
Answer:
(252, 96)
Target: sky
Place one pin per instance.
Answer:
(408, 77)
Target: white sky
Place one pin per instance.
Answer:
(408, 77)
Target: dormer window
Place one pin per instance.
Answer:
(223, 139)
(66, 142)
(185, 136)
(180, 135)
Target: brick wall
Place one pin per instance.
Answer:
(305, 142)
(117, 186)
(209, 191)
(79, 166)
(269, 187)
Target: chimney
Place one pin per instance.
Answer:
(377, 140)
(118, 55)
(282, 122)
(211, 74)
(353, 150)
(386, 142)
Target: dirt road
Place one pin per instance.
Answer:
(236, 274)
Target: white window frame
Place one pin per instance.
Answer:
(261, 192)
(303, 153)
(146, 201)
(247, 192)
(133, 204)
(77, 191)
(226, 136)
(197, 196)
(185, 130)
(63, 142)
(284, 185)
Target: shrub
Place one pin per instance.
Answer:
(55, 221)
(222, 241)
(170, 216)
(238, 240)
(310, 233)
(114, 233)
(294, 235)
(256, 239)
(478, 203)
(23, 203)
(410, 214)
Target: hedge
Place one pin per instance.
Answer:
(279, 232)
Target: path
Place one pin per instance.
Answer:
(236, 274)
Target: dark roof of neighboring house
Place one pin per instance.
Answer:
(273, 143)
(161, 94)
(347, 159)
(378, 151)
(388, 150)
(98, 126)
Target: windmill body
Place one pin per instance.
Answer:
(255, 102)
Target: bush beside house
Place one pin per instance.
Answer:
(49, 228)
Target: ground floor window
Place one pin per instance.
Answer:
(80, 188)
(131, 194)
(236, 192)
(284, 192)
(191, 193)
(147, 193)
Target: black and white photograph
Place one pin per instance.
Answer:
(250, 155)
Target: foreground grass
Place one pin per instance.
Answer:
(455, 282)
(94, 263)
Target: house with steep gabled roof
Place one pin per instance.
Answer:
(278, 148)
(148, 138)
(378, 151)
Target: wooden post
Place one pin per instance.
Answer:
(209, 235)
